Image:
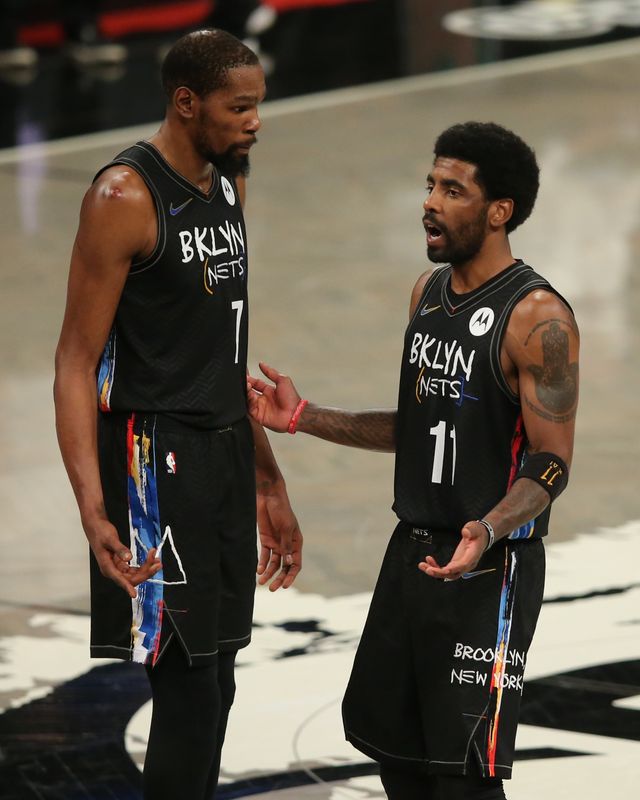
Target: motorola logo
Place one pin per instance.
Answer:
(229, 194)
(481, 321)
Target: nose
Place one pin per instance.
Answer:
(430, 202)
(255, 123)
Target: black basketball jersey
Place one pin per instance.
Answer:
(178, 345)
(460, 435)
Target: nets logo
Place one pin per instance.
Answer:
(481, 321)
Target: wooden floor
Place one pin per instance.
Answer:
(334, 220)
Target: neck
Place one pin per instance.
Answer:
(492, 259)
(178, 150)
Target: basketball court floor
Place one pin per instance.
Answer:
(334, 220)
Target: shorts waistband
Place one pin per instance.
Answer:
(424, 535)
(161, 422)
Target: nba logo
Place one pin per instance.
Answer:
(170, 461)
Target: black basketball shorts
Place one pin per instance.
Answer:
(191, 494)
(438, 675)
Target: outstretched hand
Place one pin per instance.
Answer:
(272, 404)
(465, 557)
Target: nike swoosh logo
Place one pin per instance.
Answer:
(468, 575)
(425, 310)
(173, 211)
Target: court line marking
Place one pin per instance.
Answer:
(358, 94)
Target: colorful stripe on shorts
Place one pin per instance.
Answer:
(144, 527)
(505, 617)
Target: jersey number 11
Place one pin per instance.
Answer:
(440, 432)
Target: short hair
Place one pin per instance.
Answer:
(506, 166)
(201, 61)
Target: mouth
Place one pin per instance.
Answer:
(434, 234)
(246, 146)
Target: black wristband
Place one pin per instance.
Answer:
(548, 470)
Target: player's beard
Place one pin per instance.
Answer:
(230, 163)
(465, 243)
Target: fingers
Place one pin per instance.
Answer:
(276, 570)
(117, 570)
(430, 567)
(270, 566)
(285, 577)
(116, 567)
(455, 569)
(258, 385)
(263, 559)
(285, 544)
(151, 566)
(270, 372)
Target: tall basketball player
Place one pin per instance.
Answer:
(151, 410)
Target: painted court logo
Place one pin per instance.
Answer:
(481, 321)
(550, 21)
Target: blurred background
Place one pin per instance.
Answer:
(70, 67)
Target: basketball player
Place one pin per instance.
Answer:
(151, 410)
(483, 436)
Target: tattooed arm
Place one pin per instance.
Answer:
(273, 405)
(540, 362)
(373, 429)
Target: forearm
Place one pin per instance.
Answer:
(76, 426)
(523, 502)
(268, 473)
(373, 429)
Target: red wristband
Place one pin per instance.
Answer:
(293, 424)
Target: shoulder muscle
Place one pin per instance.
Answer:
(118, 215)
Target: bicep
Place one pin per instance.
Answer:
(544, 347)
(109, 235)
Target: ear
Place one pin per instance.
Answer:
(184, 102)
(500, 212)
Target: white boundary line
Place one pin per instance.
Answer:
(337, 97)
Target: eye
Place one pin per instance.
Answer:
(428, 188)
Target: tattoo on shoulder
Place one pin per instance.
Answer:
(556, 379)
